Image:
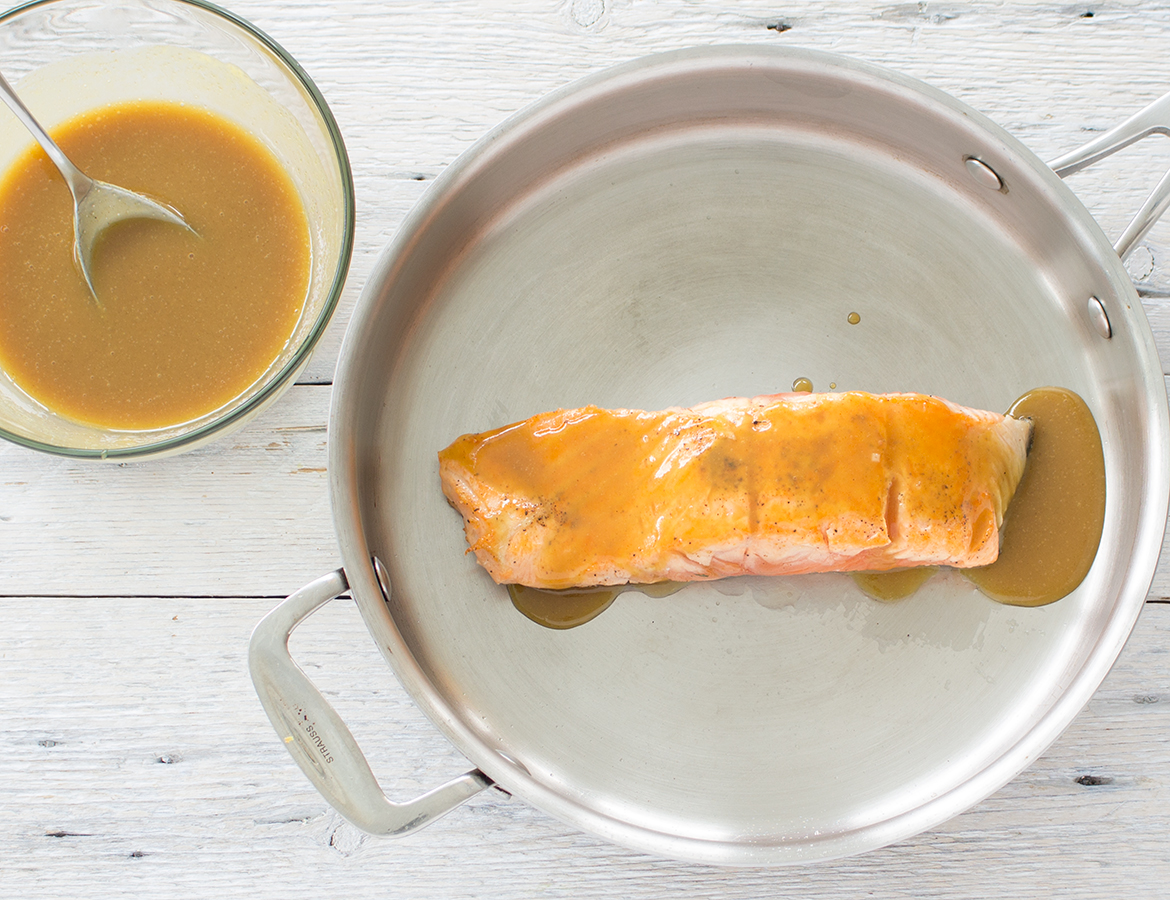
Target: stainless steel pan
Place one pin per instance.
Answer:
(682, 228)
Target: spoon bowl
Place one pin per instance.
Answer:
(96, 204)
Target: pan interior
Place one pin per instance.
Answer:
(685, 265)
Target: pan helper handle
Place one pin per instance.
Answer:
(319, 740)
(1154, 119)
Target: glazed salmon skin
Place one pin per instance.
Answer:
(775, 485)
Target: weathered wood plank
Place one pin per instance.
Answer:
(248, 514)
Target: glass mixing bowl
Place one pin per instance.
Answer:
(66, 57)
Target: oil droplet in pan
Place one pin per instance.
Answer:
(802, 386)
(853, 318)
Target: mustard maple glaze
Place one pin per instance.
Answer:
(896, 584)
(1052, 527)
(568, 609)
(650, 484)
(1049, 538)
(186, 323)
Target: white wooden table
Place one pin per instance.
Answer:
(135, 760)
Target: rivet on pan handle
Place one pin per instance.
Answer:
(320, 742)
(1154, 119)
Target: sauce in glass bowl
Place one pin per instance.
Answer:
(186, 322)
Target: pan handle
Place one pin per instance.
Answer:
(320, 742)
(1154, 119)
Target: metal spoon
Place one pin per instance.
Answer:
(96, 204)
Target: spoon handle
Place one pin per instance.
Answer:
(79, 183)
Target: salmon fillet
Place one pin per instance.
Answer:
(775, 485)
